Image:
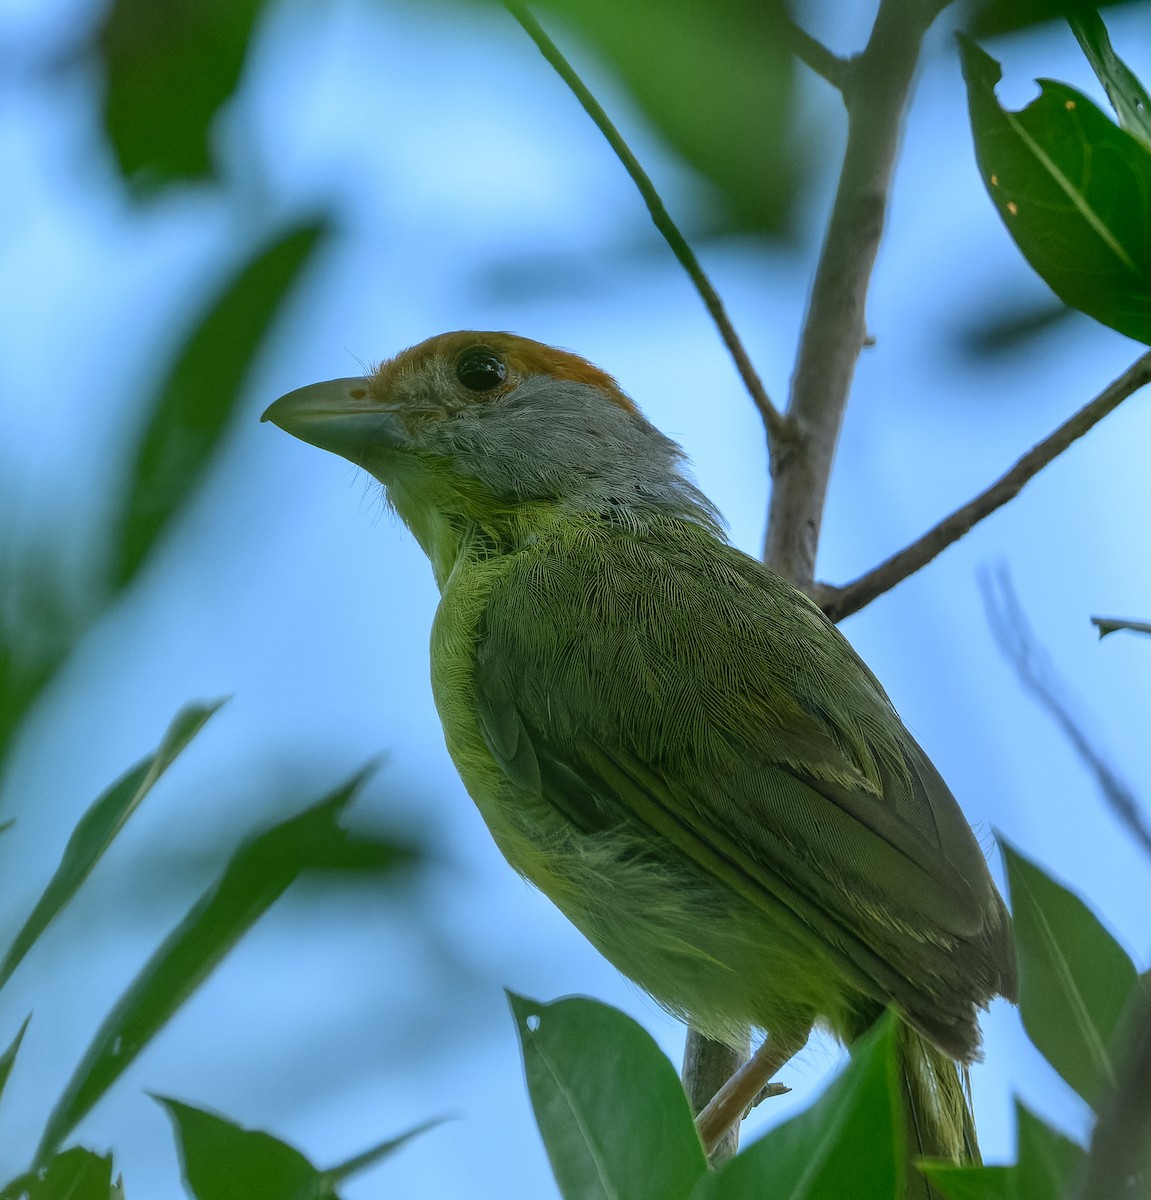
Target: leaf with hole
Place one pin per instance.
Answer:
(1074, 191)
(608, 1103)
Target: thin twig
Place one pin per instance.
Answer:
(1107, 625)
(843, 601)
(815, 54)
(772, 418)
(835, 330)
(1038, 676)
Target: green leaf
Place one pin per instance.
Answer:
(224, 1161)
(1074, 191)
(1048, 1161)
(98, 827)
(609, 1106)
(971, 1183)
(9, 1055)
(42, 616)
(850, 1142)
(169, 68)
(374, 1154)
(1127, 95)
(1075, 980)
(992, 17)
(190, 413)
(75, 1174)
(253, 880)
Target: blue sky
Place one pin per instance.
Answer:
(346, 1018)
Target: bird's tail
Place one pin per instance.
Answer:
(937, 1109)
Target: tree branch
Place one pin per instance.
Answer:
(876, 91)
(1107, 625)
(815, 54)
(843, 601)
(772, 419)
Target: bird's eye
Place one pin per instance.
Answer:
(480, 370)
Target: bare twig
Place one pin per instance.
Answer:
(1019, 643)
(1107, 625)
(843, 601)
(772, 419)
(876, 93)
(815, 54)
(771, 415)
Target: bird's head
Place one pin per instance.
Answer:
(497, 432)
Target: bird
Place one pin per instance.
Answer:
(664, 736)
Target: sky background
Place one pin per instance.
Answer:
(470, 191)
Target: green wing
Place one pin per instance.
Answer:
(670, 684)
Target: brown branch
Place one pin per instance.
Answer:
(840, 602)
(772, 419)
(815, 54)
(876, 91)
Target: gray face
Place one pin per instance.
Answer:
(555, 439)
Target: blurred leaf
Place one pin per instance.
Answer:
(223, 1161)
(716, 79)
(169, 68)
(1127, 95)
(41, 619)
(97, 828)
(189, 414)
(1107, 625)
(850, 1142)
(75, 1174)
(1048, 1161)
(1003, 332)
(1119, 1163)
(609, 1106)
(971, 1183)
(986, 18)
(253, 880)
(1075, 980)
(9, 1055)
(1074, 191)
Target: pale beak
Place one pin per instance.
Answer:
(340, 415)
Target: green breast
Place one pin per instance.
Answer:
(678, 932)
